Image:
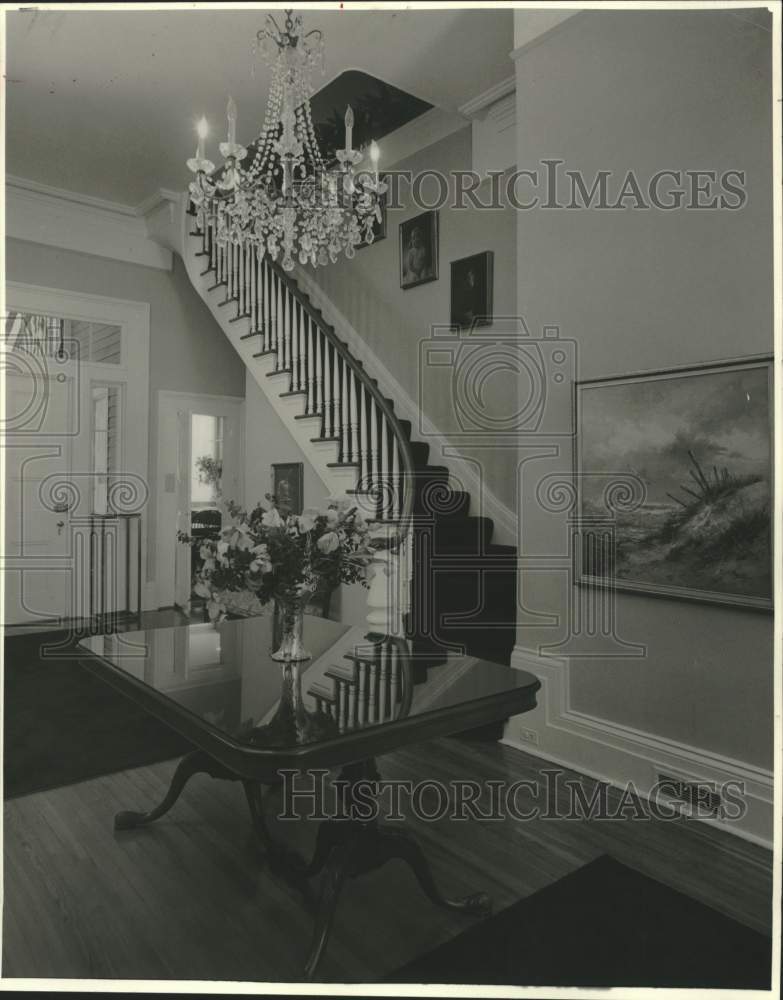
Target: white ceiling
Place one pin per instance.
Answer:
(104, 103)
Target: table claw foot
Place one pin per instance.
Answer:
(129, 820)
(477, 905)
(195, 762)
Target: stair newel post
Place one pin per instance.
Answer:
(355, 386)
(383, 598)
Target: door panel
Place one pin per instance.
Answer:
(37, 560)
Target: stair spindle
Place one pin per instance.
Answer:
(383, 681)
(372, 456)
(372, 700)
(353, 422)
(345, 429)
(328, 408)
(362, 672)
(395, 681)
(361, 458)
(396, 485)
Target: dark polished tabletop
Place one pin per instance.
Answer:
(359, 695)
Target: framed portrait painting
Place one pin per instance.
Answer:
(419, 250)
(288, 487)
(675, 467)
(471, 290)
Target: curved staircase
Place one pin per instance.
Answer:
(462, 586)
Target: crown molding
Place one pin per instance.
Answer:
(68, 220)
(478, 106)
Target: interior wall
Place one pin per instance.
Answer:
(397, 324)
(188, 352)
(636, 290)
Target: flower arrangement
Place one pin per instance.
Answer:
(264, 555)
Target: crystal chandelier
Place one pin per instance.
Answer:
(280, 194)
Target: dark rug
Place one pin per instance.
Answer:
(63, 725)
(604, 925)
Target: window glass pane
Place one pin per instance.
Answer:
(105, 442)
(206, 450)
(44, 335)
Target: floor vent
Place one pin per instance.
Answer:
(701, 797)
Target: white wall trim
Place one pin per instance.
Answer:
(463, 471)
(614, 753)
(54, 217)
(478, 106)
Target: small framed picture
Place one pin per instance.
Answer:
(378, 228)
(288, 487)
(471, 290)
(419, 250)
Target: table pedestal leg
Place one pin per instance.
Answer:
(346, 848)
(196, 762)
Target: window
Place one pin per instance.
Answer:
(106, 415)
(206, 459)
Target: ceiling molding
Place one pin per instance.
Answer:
(477, 107)
(67, 220)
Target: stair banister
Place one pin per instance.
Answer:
(336, 387)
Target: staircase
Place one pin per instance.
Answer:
(462, 586)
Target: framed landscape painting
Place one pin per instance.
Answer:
(693, 446)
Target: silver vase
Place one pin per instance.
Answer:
(290, 616)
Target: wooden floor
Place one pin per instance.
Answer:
(191, 898)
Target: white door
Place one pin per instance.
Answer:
(39, 423)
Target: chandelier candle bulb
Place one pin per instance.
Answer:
(348, 130)
(202, 128)
(231, 112)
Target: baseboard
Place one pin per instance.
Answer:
(617, 754)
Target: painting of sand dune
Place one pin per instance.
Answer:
(695, 445)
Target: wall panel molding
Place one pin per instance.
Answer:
(616, 754)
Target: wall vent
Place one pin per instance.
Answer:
(698, 796)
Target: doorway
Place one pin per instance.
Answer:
(76, 378)
(200, 460)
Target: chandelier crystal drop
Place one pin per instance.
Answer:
(279, 194)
